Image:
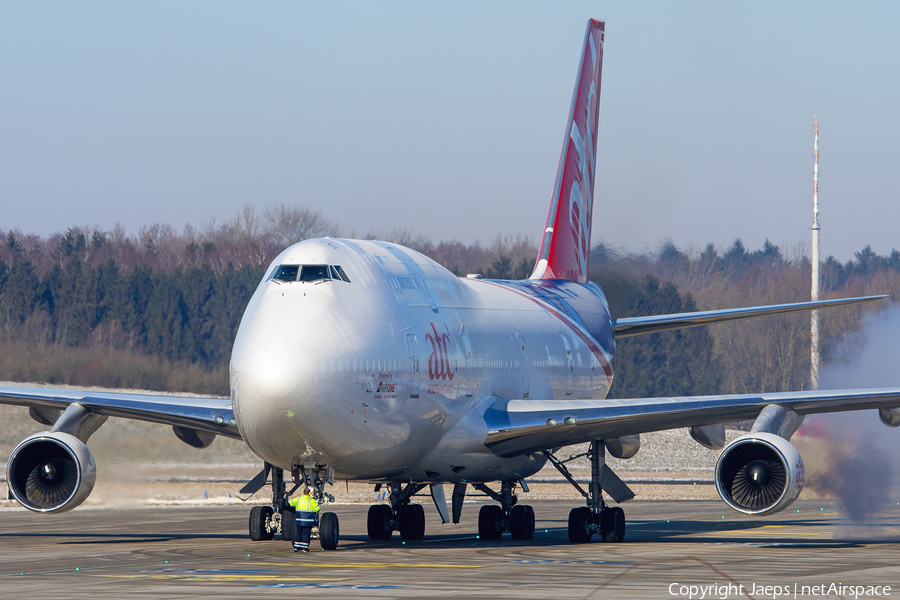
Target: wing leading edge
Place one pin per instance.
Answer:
(631, 326)
(213, 415)
(517, 427)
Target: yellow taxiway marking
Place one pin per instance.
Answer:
(218, 577)
(362, 565)
(745, 532)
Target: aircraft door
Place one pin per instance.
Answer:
(520, 342)
(570, 364)
(414, 379)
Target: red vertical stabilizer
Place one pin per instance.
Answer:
(566, 244)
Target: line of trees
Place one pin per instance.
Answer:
(759, 355)
(107, 308)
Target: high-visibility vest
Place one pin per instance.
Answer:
(306, 508)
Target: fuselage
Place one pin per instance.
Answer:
(374, 359)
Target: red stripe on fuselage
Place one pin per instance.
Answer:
(572, 325)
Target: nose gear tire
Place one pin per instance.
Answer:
(259, 523)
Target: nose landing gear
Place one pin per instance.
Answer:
(266, 521)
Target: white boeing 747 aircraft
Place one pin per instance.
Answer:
(367, 361)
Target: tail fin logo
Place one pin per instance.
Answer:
(566, 245)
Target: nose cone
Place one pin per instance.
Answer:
(271, 374)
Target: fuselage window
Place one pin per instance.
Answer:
(314, 273)
(286, 273)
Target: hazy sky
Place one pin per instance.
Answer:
(448, 118)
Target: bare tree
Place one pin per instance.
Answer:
(286, 225)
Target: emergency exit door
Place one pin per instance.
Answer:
(412, 345)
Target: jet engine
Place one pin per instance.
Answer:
(759, 473)
(51, 472)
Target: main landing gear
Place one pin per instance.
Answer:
(266, 521)
(596, 517)
(493, 520)
(400, 515)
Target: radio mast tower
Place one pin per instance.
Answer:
(814, 316)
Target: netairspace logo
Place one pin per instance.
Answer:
(776, 592)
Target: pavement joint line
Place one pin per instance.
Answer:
(365, 565)
(123, 565)
(456, 539)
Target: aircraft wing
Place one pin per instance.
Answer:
(631, 326)
(213, 415)
(518, 427)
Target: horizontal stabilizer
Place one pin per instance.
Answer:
(631, 326)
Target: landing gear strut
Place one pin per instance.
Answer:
(596, 517)
(408, 518)
(493, 520)
(266, 521)
(315, 480)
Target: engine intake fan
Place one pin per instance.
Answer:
(51, 472)
(759, 473)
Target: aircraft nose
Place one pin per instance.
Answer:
(273, 375)
(281, 371)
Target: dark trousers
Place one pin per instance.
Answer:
(301, 536)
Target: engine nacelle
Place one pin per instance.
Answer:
(624, 447)
(759, 473)
(51, 472)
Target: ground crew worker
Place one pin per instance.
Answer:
(306, 512)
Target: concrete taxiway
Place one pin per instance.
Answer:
(185, 552)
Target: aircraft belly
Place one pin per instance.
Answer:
(462, 456)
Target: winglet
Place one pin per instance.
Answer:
(566, 245)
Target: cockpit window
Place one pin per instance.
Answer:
(314, 273)
(309, 273)
(286, 273)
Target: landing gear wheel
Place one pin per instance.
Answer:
(612, 524)
(489, 518)
(420, 518)
(378, 522)
(412, 522)
(329, 532)
(521, 522)
(288, 524)
(579, 518)
(259, 523)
